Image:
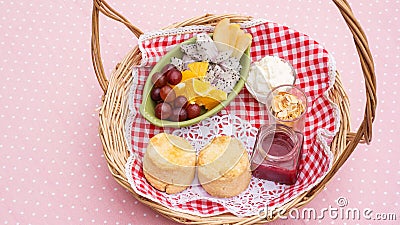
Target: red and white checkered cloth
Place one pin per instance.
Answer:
(311, 62)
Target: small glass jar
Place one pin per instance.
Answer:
(277, 153)
(296, 122)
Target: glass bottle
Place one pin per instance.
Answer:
(277, 153)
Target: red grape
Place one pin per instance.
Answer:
(163, 110)
(178, 114)
(155, 94)
(193, 111)
(180, 102)
(159, 79)
(167, 94)
(167, 67)
(174, 76)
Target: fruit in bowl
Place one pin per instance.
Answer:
(198, 77)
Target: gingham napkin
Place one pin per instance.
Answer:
(315, 75)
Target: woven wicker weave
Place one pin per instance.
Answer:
(114, 111)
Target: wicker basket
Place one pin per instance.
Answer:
(114, 111)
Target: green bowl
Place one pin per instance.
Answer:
(148, 105)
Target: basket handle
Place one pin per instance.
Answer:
(364, 132)
(102, 6)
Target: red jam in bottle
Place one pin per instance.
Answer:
(277, 153)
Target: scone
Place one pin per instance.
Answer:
(223, 167)
(169, 163)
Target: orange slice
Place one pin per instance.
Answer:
(207, 95)
(199, 68)
(200, 92)
(201, 88)
(188, 74)
(207, 102)
(180, 89)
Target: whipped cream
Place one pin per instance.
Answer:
(268, 73)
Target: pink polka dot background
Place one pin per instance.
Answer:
(52, 167)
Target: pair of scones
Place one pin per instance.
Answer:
(223, 167)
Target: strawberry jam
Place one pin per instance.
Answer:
(277, 153)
